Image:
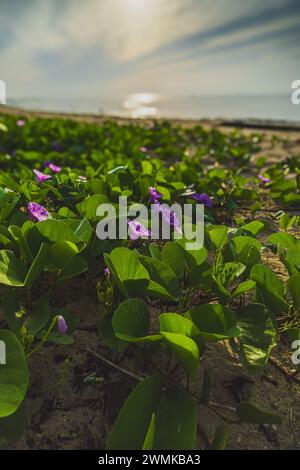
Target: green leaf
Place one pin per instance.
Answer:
(242, 246)
(294, 287)
(251, 414)
(206, 387)
(176, 421)
(291, 260)
(242, 288)
(8, 200)
(193, 258)
(228, 272)
(163, 281)
(293, 334)
(19, 238)
(88, 207)
(76, 266)
(132, 424)
(185, 349)
(56, 230)
(270, 288)
(220, 438)
(39, 317)
(255, 227)
(37, 266)
(131, 276)
(287, 240)
(131, 319)
(258, 335)
(13, 426)
(12, 270)
(57, 338)
(61, 253)
(173, 255)
(218, 237)
(214, 321)
(6, 238)
(175, 323)
(149, 439)
(108, 336)
(221, 292)
(11, 309)
(14, 375)
(155, 251)
(81, 228)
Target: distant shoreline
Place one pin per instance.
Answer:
(251, 124)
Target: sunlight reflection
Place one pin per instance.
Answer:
(141, 105)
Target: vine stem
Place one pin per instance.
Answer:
(44, 338)
(116, 366)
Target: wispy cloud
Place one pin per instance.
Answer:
(119, 46)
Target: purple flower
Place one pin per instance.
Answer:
(106, 271)
(143, 149)
(56, 146)
(154, 195)
(171, 218)
(62, 325)
(54, 168)
(37, 212)
(40, 176)
(203, 199)
(137, 230)
(82, 179)
(20, 123)
(264, 179)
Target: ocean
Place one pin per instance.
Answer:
(151, 105)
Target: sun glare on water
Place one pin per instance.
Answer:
(141, 105)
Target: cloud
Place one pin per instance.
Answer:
(119, 46)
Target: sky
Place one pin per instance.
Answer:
(170, 47)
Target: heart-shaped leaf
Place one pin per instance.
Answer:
(14, 374)
(131, 319)
(185, 349)
(12, 270)
(129, 273)
(251, 414)
(214, 321)
(176, 421)
(136, 415)
(258, 335)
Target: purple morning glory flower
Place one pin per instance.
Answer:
(62, 325)
(40, 176)
(137, 230)
(20, 123)
(154, 195)
(54, 168)
(203, 199)
(170, 218)
(264, 179)
(37, 212)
